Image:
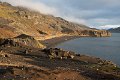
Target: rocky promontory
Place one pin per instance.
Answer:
(95, 33)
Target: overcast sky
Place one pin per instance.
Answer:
(94, 13)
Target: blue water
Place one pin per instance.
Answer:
(106, 47)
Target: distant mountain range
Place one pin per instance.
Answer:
(114, 30)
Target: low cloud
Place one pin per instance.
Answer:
(31, 4)
(95, 13)
(109, 26)
(75, 20)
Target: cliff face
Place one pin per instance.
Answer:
(95, 33)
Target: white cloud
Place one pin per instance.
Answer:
(45, 9)
(94, 13)
(38, 6)
(100, 20)
(76, 20)
(109, 26)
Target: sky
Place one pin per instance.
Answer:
(101, 14)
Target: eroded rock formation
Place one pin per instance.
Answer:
(95, 33)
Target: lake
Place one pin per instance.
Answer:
(106, 47)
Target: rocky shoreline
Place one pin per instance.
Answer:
(27, 63)
(26, 53)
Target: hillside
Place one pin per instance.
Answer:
(18, 20)
(114, 30)
(15, 21)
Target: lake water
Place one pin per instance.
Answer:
(106, 47)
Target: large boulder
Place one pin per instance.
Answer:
(28, 41)
(59, 53)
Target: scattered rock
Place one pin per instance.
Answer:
(4, 70)
(8, 42)
(26, 51)
(4, 55)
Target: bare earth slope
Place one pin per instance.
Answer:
(18, 20)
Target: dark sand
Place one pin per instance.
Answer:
(54, 41)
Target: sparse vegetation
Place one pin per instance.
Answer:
(22, 55)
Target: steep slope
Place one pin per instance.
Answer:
(15, 21)
(34, 23)
(19, 21)
(114, 30)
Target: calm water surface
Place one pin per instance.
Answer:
(106, 48)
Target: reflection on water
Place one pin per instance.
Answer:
(105, 47)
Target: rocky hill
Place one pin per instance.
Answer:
(15, 21)
(114, 30)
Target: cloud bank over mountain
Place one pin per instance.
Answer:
(94, 13)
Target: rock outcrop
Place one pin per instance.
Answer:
(28, 41)
(22, 40)
(95, 33)
(58, 53)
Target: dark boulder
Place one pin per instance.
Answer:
(8, 42)
(4, 70)
(58, 53)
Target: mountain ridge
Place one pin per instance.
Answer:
(114, 30)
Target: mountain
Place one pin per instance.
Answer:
(15, 21)
(114, 30)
